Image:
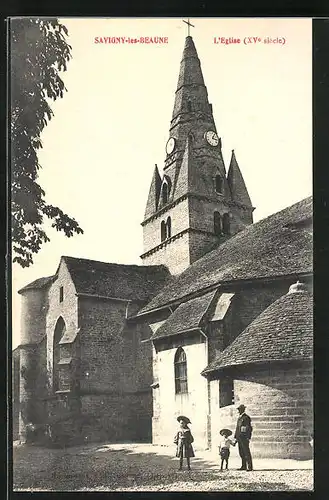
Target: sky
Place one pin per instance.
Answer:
(111, 127)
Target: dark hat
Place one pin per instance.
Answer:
(225, 432)
(185, 419)
(241, 407)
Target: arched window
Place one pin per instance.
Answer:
(168, 225)
(218, 184)
(165, 193)
(163, 230)
(226, 224)
(58, 335)
(217, 224)
(180, 371)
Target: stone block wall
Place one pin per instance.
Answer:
(174, 254)
(280, 403)
(179, 221)
(34, 308)
(67, 310)
(116, 372)
(116, 417)
(200, 244)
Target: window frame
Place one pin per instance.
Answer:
(180, 372)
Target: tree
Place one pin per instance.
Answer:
(38, 51)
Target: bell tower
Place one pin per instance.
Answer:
(194, 205)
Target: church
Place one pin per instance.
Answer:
(218, 314)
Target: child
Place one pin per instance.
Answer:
(184, 440)
(224, 447)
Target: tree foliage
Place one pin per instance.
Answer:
(39, 52)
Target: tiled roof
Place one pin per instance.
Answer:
(278, 245)
(186, 317)
(39, 283)
(284, 331)
(129, 282)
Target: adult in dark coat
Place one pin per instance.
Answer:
(184, 439)
(243, 435)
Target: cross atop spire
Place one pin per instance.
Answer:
(188, 26)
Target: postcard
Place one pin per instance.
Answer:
(162, 254)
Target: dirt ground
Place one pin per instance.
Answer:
(145, 467)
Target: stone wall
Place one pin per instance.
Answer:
(34, 308)
(280, 402)
(116, 417)
(179, 221)
(67, 310)
(174, 254)
(116, 372)
(200, 244)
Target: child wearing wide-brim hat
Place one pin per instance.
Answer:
(184, 439)
(224, 447)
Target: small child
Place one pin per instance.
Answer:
(224, 447)
(184, 440)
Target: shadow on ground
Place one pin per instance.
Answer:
(108, 468)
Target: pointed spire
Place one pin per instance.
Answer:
(191, 93)
(187, 181)
(236, 183)
(190, 68)
(154, 192)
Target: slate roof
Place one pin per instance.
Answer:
(116, 280)
(187, 316)
(283, 331)
(278, 245)
(129, 282)
(39, 283)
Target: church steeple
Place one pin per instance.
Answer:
(191, 93)
(194, 198)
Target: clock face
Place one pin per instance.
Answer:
(170, 145)
(212, 138)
